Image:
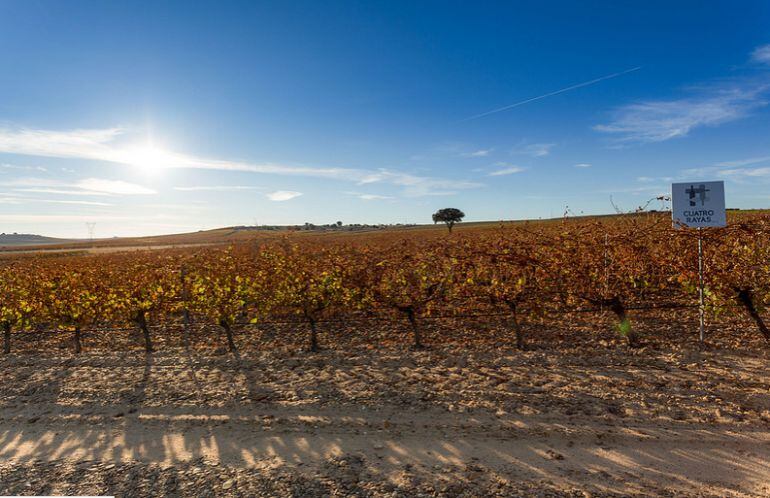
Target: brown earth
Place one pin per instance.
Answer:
(577, 415)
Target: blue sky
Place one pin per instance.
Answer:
(161, 117)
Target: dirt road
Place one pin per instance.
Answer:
(387, 423)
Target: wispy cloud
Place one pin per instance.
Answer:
(506, 169)
(22, 168)
(582, 165)
(112, 187)
(369, 197)
(42, 190)
(79, 203)
(86, 186)
(109, 145)
(743, 162)
(196, 205)
(657, 121)
(745, 172)
(711, 105)
(436, 193)
(477, 153)
(86, 144)
(218, 188)
(31, 182)
(282, 195)
(733, 169)
(533, 150)
(649, 179)
(551, 94)
(417, 186)
(761, 54)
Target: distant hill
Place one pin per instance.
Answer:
(27, 239)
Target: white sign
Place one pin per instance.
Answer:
(698, 204)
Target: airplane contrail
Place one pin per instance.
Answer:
(551, 94)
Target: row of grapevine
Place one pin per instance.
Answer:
(521, 271)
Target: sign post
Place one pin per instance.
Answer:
(701, 302)
(699, 205)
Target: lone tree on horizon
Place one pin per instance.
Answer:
(450, 216)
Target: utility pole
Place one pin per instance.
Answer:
(91, 226)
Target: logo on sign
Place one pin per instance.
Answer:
(700, 192)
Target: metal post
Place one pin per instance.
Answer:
(701, 307)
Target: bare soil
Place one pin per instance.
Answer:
(577, 415)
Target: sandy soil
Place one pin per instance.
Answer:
(363, 422)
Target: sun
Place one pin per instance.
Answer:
(147, 158)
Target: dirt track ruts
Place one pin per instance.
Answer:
(388, 422)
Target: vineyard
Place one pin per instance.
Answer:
(521, 273)
(556, 358)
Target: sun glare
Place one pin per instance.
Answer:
(147, 158)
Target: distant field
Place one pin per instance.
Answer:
(229, 235)
(23, 239)
(223, 236)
